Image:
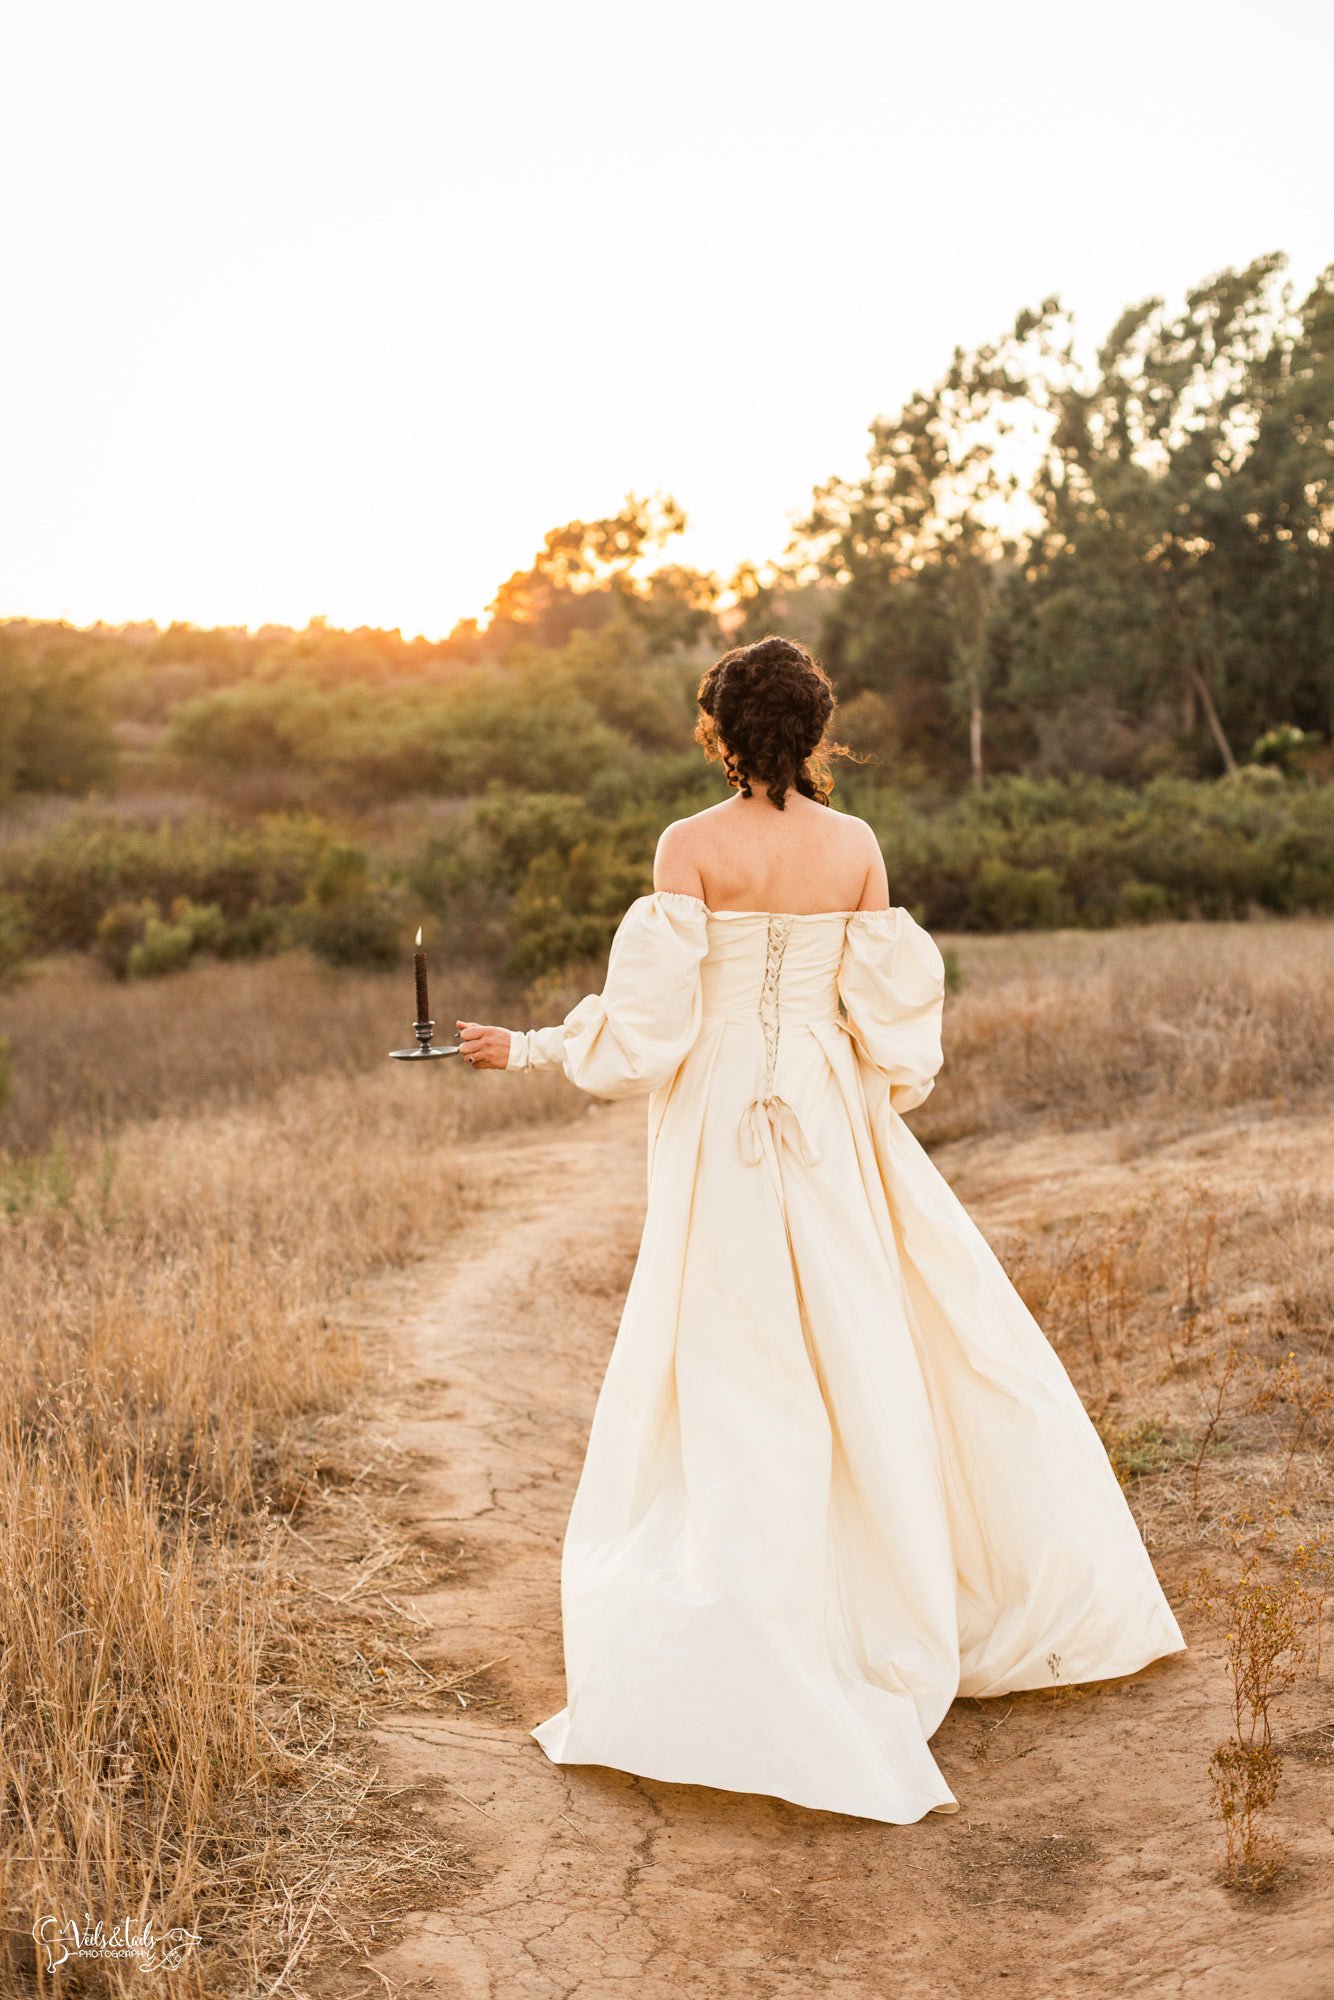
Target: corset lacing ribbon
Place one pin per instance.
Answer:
(770, 1111)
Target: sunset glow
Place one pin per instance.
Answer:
(321, 311)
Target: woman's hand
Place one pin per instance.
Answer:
(484, 1048)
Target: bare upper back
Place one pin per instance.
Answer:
(747, 855)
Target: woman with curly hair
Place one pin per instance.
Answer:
(836, 1474)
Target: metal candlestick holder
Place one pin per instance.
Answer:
(424, 1052)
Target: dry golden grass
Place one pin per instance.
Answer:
(87, 1053)
(1164, 1024)
(221, 1156)
(178, 1722)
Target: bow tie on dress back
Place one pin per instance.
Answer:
(785, 1129)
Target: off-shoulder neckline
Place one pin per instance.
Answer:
(796, 916)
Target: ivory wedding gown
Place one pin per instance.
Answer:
(836, 1475)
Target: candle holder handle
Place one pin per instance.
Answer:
(425, 1050)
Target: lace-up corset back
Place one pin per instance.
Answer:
(772, 969)
(775, 946)
(774, 972)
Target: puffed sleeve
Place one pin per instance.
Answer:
(634, 1035)
(892, 985)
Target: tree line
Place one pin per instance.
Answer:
(1051, 566)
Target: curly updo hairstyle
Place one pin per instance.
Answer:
(765, 713)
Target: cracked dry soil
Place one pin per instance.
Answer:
(1081, 1862)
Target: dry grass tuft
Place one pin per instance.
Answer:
(1271, 1626)
(179, 1732)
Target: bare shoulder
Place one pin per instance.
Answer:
(859, 837)
(864, 845)
(857, 832)
(676, 860)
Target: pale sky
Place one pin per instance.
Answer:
(313, 308)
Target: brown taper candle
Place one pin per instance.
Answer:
(419, 967)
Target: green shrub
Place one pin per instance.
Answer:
(120, 932)
(15, 934)
(537, 881)
(1006, 898)
(1141, 903)
(343, 871)
(1028, 853)
(534, 881)
(533, 728)
(568, 906)
(164, 947)
(135, 940)
(203, 921)
(348, 918)
(259, 932)
(56, 735)
(71, 877)
(354, 930)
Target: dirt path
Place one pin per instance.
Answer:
(1079, 1865)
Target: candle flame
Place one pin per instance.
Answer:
(419, 934)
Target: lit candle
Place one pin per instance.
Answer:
(419, 967)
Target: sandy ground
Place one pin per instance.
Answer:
(1081, 1863)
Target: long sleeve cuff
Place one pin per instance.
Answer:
(536, 1048)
